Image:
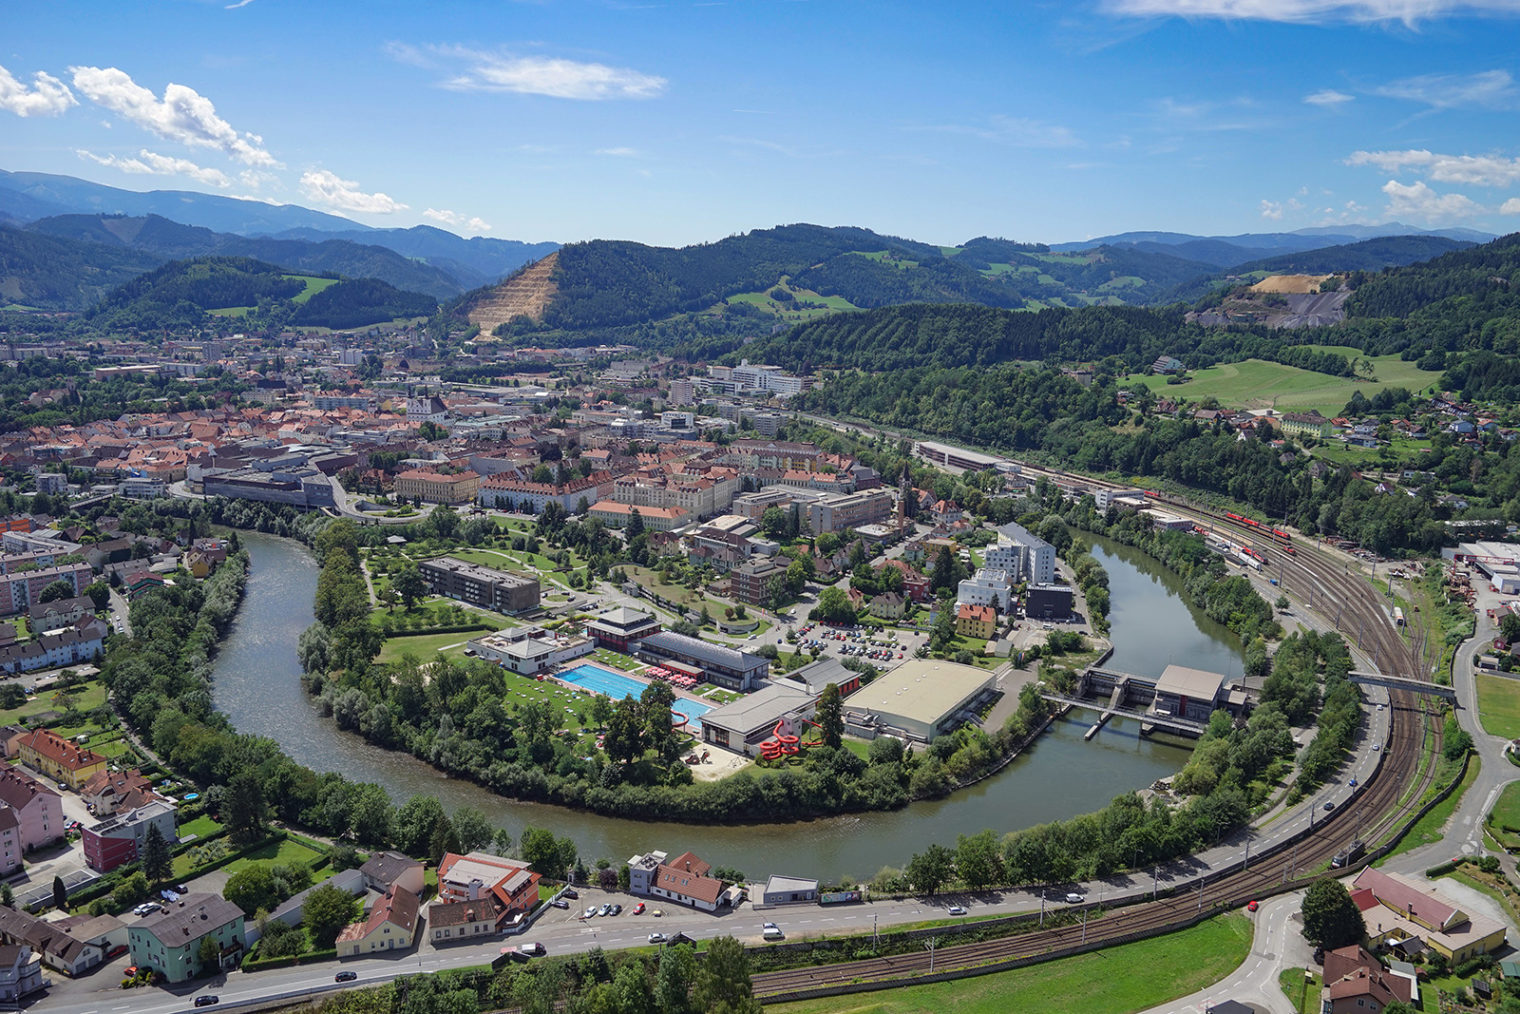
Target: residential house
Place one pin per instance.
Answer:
(453, 922)
(684, 880)
(110, 791)
(1356, 982)
(61, 759)
(120, 839)
(1404, 912)
(390, 926)
(169, 942)
(60, 613)
(386, 870)
(470, 877)
(887, 606)
(975, 621)
(57, 948)
(20, 973)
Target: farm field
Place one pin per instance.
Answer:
(1255, 383)
(1110, 981)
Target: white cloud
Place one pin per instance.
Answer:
(1418, 200)
(47, 96)
(456, 219)
(1491, 89)
(1309, 11)
(1470, 170)
(531, 75)
(148, 163)
(183, 115)
(1510, 207)
(1272, 210)
(328, 188)
(1328, 97)
(619, 152)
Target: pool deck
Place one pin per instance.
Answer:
(685, 727)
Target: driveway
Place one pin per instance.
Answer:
(1278, 944)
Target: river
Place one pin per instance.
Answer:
(257, 684)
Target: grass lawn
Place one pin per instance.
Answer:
(81, 697)
(616, 659)
(1255, 383)
(279, 853)
(677, 592)
(1499, 705)
(1428, 829)
(423, 646)
(1302, 989)
(1111, 981)
(200, 827)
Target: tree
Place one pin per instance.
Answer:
(830, 716)
(635, 526)
(251, 889)
(327, 910)
(59, 589)
(414, 822)
(156, 861)
(723, 980)
(409, 584)
(978, 861)
(928, 870)
(246, 808)
(1331, 918)
(471, 829)
(1509, 627)
(624, 738)
(132, 889)
(99, 593)
(208, 955)
(833, 607)
(672, 988)
(60, 895)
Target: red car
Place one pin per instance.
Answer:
(638, 909)
(1251, 906)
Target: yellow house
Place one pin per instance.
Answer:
(975, 621)
(198, 566)
(58, 758)
(391, 926)
(1395, 909)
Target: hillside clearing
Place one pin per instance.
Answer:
(1290, 283)
(1256, 383)
(526, 294)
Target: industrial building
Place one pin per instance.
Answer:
(500, 590)
(1048, 601)
(918, 700)
(297, 487)
(1189, 693)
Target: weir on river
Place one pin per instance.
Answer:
(257, 683)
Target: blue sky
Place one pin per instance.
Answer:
(685, 122)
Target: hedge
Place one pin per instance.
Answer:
(253, 964)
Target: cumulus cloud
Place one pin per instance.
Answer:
(1510, 207)
(47, 95)
(1328, 97)
(328, 188)
(1272, 210)
(1489, 89)
(183, 115)
(150, 163)
(1418, 200)
(531, 75)
(1309, 11)
(1470, 170)
(456, 219)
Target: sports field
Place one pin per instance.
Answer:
(1255, 383)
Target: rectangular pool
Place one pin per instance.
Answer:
(617, 686)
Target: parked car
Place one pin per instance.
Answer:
(207, 1001)
(569, 892)
(657, 938)
(638, 909)
(606, 908)
(1251, 905)
(589, 913)
(349, 976)
(560, 903)
(617, 909)
(957, 910)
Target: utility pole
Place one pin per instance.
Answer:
(1042, 908)
(1200, 895)
(1084, 925)
(1247, 864)
(875, 940)
(929, 945)
(1155, 873)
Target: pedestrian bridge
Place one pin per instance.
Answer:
(1171, 723)
(1377, 679)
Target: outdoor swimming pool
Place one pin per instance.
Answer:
(617, 686)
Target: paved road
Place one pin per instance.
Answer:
(1278, 944)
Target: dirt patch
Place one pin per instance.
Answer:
(1290, 283)
(526, 294)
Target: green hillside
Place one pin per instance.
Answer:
(48, 273)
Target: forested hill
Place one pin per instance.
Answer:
(52, 274)
(183, 293)
(793, 272)
(1369, 255)
(165, 240)
(1129, 337)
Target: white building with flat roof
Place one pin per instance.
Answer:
(919, 700)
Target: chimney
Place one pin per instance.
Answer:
(475, 886)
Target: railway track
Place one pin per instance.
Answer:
(1384, 802)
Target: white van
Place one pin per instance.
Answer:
(773, 932)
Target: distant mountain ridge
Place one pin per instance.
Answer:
(1232, 251)
(26, 197)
